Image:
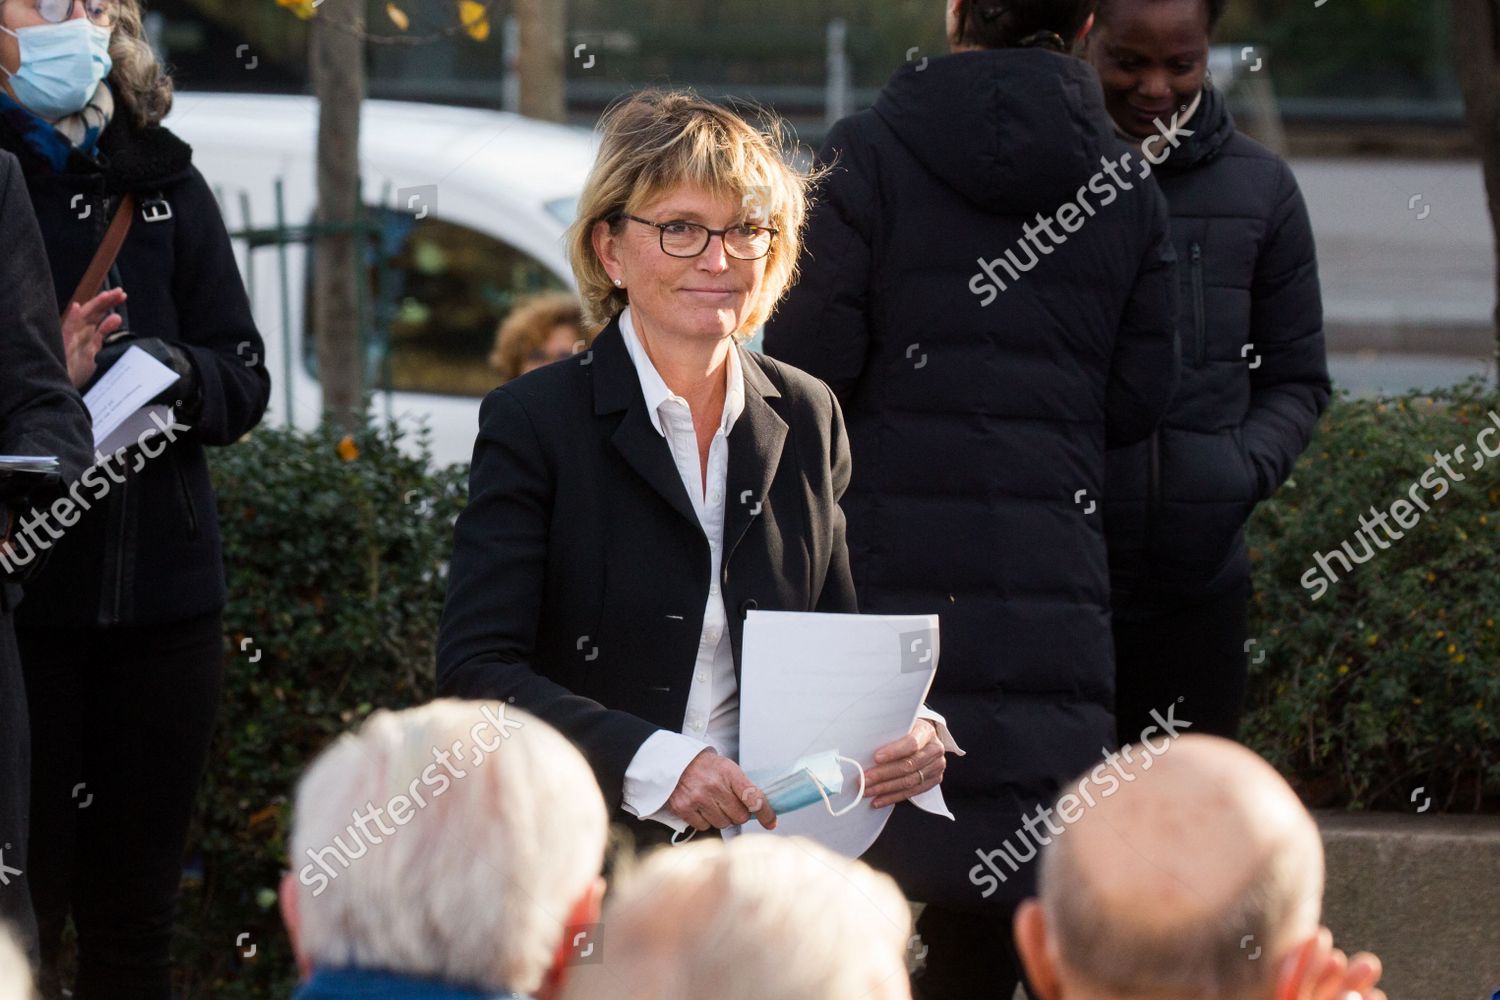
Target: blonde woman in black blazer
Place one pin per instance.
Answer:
(629, 505)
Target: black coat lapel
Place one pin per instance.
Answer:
(616, 388)
(755, 446)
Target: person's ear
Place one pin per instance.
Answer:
(292, 917)
(1030, 930)
(606, 247)
(583, 917)
(1088, 26)
(950, 22)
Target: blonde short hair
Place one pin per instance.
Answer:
(758, 918)
(657, 140)
(138, 78)
(476, 885)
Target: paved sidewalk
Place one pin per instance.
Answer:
(1398, 274)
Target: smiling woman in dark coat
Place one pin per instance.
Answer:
(629, 506)
(1254, 374)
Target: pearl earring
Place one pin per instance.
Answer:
(617, 282)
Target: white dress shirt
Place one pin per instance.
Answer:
(712, 718)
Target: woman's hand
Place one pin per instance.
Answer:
(907, 767)
(714, 793)
(84, 327)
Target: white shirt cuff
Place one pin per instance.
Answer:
(944, 737)
(932, 799)
(653, 774)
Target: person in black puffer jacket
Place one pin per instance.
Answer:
(1254, 375)
(978, 417)
(120, 634)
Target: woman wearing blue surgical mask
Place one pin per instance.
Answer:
(120, 634)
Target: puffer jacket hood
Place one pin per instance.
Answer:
(1015, 131)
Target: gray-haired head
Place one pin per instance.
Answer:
(452, 841)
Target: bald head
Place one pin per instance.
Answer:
(1192, 879)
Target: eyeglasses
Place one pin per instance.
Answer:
(688, 239)
(104, 13)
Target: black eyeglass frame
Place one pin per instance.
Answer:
(709, 234)
(109, 9)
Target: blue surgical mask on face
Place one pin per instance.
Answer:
(61, 66)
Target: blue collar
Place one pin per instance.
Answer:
(365, 984)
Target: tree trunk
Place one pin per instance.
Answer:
(338, 76)
(541, 64)
(1476, 25)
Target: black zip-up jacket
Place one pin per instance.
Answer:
(147, 550)
(978, 419)
(1254, 374)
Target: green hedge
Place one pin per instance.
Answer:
(1390, 682)
(335, 555)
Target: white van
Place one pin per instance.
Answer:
(477, 203)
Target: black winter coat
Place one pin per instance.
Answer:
(148, 551)
(1254, 373)
(977, 428)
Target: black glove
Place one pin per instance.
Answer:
(186, 394)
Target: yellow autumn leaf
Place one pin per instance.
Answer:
(348, 450)
(398, 16)
(302, 8)
(474, 16)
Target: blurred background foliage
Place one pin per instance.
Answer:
(335, 550)
(1361, 50)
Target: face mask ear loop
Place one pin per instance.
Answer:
(690, 831)
(859, 768)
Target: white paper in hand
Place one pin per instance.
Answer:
(811, 682)
(115, 402)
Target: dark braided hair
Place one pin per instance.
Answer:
(1009, 24)
(1216, 10)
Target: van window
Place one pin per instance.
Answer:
(447, 288)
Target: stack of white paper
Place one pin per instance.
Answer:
(815, 682)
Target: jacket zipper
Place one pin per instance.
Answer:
(1153, 489)
(187, 497)
(1199, 319)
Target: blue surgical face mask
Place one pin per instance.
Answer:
(814, 777)
(61, 66)
(811, 778)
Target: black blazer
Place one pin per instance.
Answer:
(580, 572)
